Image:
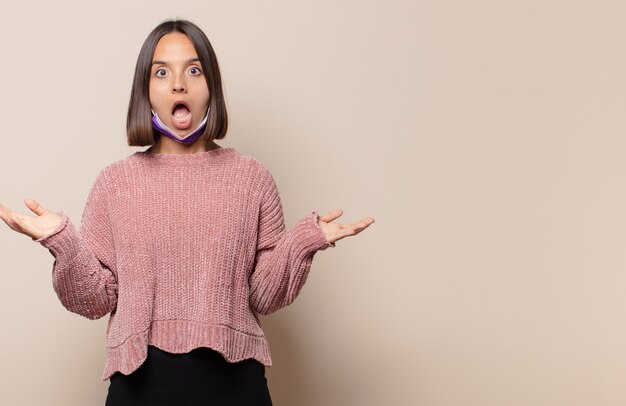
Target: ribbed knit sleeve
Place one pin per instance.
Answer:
(81, 274)
(283, 257)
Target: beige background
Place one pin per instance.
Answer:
(486, 138)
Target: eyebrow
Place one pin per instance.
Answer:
(165, 63)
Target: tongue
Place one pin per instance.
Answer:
(179, 120)
(180, 111)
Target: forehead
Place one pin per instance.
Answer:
(173, 46)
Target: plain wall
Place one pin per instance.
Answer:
(487, 139)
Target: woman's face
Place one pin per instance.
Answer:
(178, 90)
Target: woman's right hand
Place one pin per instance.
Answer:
(44, 223)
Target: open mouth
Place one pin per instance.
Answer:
(181, 115)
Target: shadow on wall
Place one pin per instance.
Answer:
(288, 378)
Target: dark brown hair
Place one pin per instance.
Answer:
(138, 123)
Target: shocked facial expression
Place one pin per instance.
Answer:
(178, 90)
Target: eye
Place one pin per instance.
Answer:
(157, 72)
(195, 70)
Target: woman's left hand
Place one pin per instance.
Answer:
(337, 231)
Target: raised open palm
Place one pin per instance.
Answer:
(43, 223)
(337, 231)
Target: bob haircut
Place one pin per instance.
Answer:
(139, 120)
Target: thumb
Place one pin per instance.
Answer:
(34, 207)
(332, 215)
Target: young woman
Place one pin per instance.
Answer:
(184, 244)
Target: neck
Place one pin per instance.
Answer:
(165, 145)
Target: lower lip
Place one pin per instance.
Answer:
(182, 123)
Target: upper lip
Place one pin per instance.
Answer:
(177, 102)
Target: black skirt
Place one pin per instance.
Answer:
(200, 377)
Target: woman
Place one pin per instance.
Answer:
(183, 244)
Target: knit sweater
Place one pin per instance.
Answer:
(183, 251)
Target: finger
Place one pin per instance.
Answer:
(4, 212)
(365, 222)
(22, 224)
(332, 215)
(13, 222)
(355, 228)
(5, 215)
(34, 206)
(362, 225)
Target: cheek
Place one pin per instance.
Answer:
(155, 96)
(151, 93)
(201, 101)
(203, 92)
(205, 100)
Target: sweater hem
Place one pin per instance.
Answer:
(182, 336)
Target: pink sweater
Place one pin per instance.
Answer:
(184, 251)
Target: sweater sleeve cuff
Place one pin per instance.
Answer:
(63, 241)
(312, 236)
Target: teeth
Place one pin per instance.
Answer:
(182, 119)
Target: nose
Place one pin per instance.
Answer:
(178, 84)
